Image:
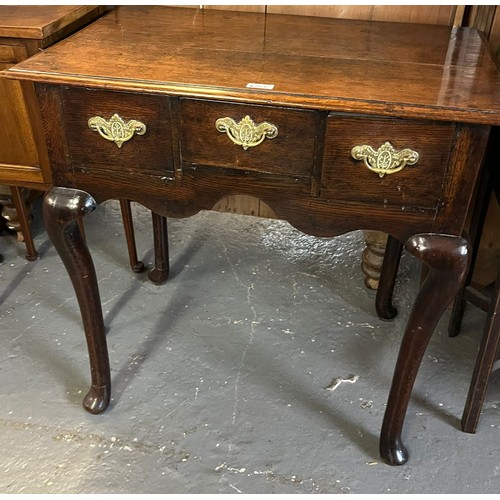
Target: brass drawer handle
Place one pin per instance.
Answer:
(246, 133)
(386, 159)
(116, 130)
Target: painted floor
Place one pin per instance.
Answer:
(223, 377)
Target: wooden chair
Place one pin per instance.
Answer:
(31, 254)
(15, 216)
(159, 274)
(490, 341)
(488, 354)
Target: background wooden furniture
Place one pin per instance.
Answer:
(24, 31)
(486, 18)
(489, 302)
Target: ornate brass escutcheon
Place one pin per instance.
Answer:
(386, 159)
(246, 133)
(116, 129)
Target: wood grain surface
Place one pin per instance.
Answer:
(432, 71)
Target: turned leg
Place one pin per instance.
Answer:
(373, 257)
(136, 265)
(383, 301)
(447, 258)
(159, 274)
(61, 209)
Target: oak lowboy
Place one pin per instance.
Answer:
(337, 125)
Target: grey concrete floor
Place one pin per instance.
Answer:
(220, 377)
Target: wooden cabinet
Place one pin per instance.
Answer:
(24, 31)
(18, 156)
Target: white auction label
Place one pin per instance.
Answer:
(264, 86)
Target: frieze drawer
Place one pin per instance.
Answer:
(264, 139)
(385, 161)
(118, 131)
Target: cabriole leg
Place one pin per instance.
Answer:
(62, 207)
(448, 259)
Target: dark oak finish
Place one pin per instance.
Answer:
(290, 153)
(401, 70)
(62, 209)
(152, 155)
(448, 259)
(337, 84)
(417, 188)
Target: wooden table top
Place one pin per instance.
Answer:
(38, 21)
(382, 68)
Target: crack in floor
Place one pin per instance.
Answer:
(253, 322)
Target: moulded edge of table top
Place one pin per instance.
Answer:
(58, 67)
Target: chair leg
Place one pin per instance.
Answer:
(484, 364)
(136, 265)
(17, 198)
(383, 301)
(475, 231)
(159, 274)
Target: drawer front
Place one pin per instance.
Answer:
(139, 124)
(385, 175)
(271, 140)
